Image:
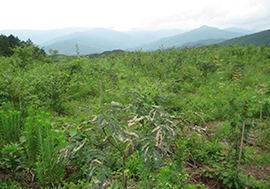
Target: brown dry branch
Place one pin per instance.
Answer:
(131, 133)
(134, 121)
(82, 125)
(97, 161)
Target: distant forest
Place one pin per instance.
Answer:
(9, 43)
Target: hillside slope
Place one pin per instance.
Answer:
(202, 33)
(96, 40)
(260, 38)
(42, 36)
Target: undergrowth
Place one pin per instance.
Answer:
(135, 119)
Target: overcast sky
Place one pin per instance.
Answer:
(123, 15)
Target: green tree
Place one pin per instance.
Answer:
(7, 44)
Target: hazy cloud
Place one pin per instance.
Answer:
(130, 14)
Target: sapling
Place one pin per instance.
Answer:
(42, 145)
(261, 109)
(11, 126)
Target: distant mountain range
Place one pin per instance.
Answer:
(98, 40)
(202, 33)
(42, 36)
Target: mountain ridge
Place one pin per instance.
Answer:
(91, 41)
(257, 39)
(98, 40)
(202, 33)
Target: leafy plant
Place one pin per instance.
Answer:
(146, 177)
(50, 166)
(164, 178)
(260, 184)
(12, 157)
(43, 144)
(132, 164)
(10, 184)
(233, 179)
(167, 104)
(30, 132)
(154, 137)
(11, 126)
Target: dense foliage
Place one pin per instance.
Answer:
(258, 39)
(9, 43)
(141, 119)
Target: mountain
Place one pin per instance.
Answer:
(95, 40)
(98, 40)
(202, 33)
(260, 38)
(151, 36)
(90, 41)
(240, 30)
(41, 36)
(202, 43)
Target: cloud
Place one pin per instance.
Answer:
(248, 14)
(128, 14)
(245, 15)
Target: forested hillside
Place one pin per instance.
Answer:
(173, 118)
(195, 36)
(257, 39)
(9, 43)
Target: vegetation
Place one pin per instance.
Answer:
(186, 118)
(8, 43)
(258, 39)
(204, 35)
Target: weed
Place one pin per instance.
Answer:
(233, 179)
(12, 157)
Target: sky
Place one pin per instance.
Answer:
(124, 15)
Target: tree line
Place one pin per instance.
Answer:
(9, 43)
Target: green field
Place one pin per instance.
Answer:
(173, 118)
